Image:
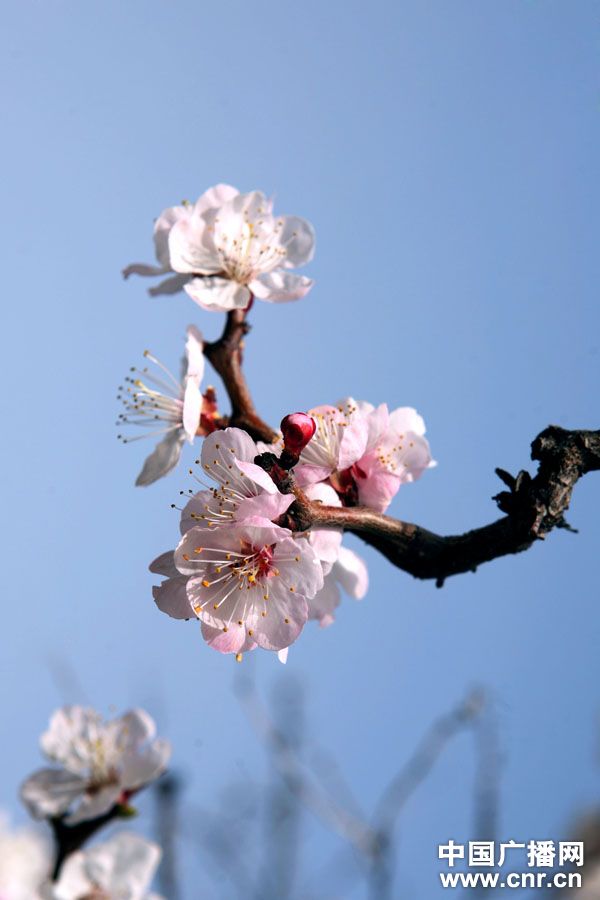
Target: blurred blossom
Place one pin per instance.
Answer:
(122, 868)
(101, 763)
(25, 863)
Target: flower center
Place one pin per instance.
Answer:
(253, 249)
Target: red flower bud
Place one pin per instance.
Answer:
(297, 430)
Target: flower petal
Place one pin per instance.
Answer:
(325, 542)
(297, 236)
(280, 287)
(140, 768)
(405, 418)
(234, 640)
(194, 351)
(233, 441)
(94, 805)
(70, 730)
(265, 506)
(50, 792)
(258, 475)
(307, 474)
(171, 598)
(164, 458)
(352, 573)
(193, 512)
(189, 250)
(192, 408)
(143, 269)
(171, 285)
(135, 727)
(164, 565)
(218, 294)
(121, 867)
(376, 486)
(325, 601)
(162, 228)
(215, 196)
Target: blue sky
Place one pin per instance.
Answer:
(447, 156)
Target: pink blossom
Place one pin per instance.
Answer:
(247, 579)
(398, 453)
(339, 441)
(249, 584)
(365, 452)
(243, 490)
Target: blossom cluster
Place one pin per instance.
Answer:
(251, 581)
(243, 566)
(99, 766)
(120, 868)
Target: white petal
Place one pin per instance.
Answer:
(244, 207)
(324, 493)
(324, 603)
(136, 727)
(232, 442)
(74, 882)
(265, 506)
(171, 597)
(405, 418)
(192, 408)
(143, 269)
(258, 475)
(164, 458)
(121, 867)
(171, 285)
(191, 515)
(189, 250)
(69, 731)
(280, 287)
(282, 655)
(162, 229)
(164, 565)
(218, 294)
(298, 238)
(94, 805)
(215, 196)
(351, 572)
(194, 348)
(234, 640)
(50, 792)
(141, 767)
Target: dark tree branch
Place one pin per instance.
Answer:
(533, 507)
(225, 356)
(70, 838)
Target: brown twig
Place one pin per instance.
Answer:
(533, 507)
(225, 356)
